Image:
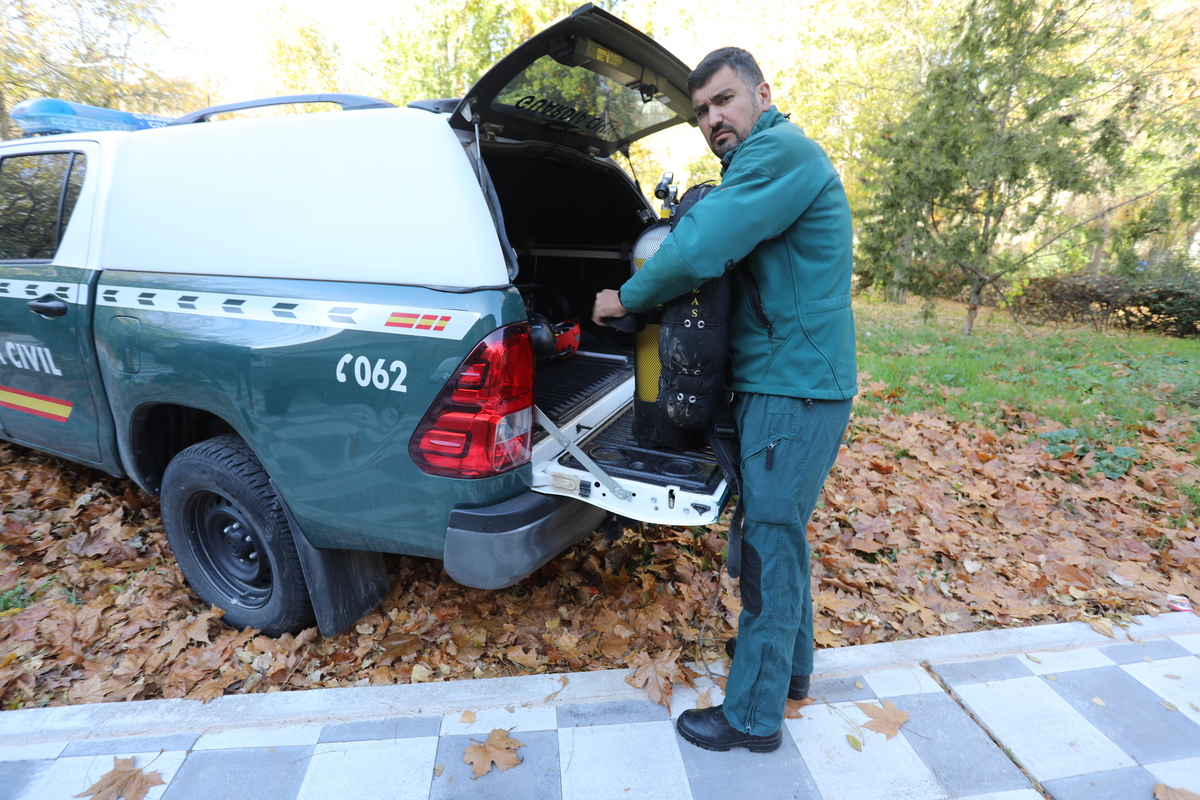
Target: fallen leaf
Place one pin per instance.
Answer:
(1103, 626)
(704, 699)
(854, 742)
(421, 673)
(1164, 792)
(1033, 658)
(886, 719)
(499, 749)
(1098, 701)
(1173, 677)
(657, 674)
(1148, 658)
(1168, 706)
(563, 681)
(792, 711)
(1194, 707)
(467, 717)
(123, 780)
(438, 770)
(1050, 677)
(858, 684)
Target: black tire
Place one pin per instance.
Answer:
(231, 538)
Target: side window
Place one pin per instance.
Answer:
(37, 195)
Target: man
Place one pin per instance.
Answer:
(782, 210)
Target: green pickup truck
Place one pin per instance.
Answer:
(324, 337)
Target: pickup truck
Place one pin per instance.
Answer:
(324, 337)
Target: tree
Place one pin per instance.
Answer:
(85, 52)
(304, 60)
(1024, 110)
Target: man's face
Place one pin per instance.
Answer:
(727, 109)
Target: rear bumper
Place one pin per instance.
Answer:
(496, 546)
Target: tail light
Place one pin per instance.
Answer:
(481, 424)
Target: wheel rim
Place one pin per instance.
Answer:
(229, 549)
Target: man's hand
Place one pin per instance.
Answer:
(608, 304)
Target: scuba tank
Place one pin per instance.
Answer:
(680, 353)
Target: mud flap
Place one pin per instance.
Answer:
(343, 585)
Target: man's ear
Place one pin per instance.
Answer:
(763, 96)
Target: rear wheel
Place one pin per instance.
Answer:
(231, 538)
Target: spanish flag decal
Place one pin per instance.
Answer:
(37, 404)
(423, 322)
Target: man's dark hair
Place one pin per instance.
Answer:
(741, 61)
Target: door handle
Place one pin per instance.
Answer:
(47, 306)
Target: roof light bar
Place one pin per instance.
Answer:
(45, 115)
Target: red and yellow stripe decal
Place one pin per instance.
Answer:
(37, 404)
(422, 322)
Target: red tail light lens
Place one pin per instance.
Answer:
(481, 424)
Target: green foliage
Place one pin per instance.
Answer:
(1112, 463)
(85, 52)
(17, 597)
(304, 60)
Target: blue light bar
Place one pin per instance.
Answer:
(45, 115)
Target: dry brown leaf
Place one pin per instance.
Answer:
(1098, 701)
(886, 719)
(792, 710)
(704, 698)
(657, 674)
(1168, 706)
(1103, 626)
(1164, 792)
(438, 770)
(467, 717)
(124, 780)
(563, 681)
(1173, 677)
(499, 749)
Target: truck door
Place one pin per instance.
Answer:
(48, 379)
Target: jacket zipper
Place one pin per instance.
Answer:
(751, 287)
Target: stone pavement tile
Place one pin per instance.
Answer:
(130, 744)
(1132, 716)
(983, 671)
(963, 758)
(639, 761)
(739, 773)
(31, 752)
(535, 777)
(1044, 733)
(1051, 662)
(1019, 794)
(839, 690)
(381, 729)
(1183, 689)
(900, 681)
(1189, 642)
(264, 773)
(515, 718)
(1155, 650)
(277, 736)
(616, 712)
(398, 769)
(69, 777)
(1183, 774)
(1118, 784)
(17, 776)
(886, 768)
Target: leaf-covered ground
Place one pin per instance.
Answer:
(928, 526)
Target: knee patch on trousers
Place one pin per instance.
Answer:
(751, 581)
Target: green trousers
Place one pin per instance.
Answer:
(788, 447)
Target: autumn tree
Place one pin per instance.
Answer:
(85, 52)
(1023, 110)
(305, 60)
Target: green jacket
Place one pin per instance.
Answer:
(782, 208)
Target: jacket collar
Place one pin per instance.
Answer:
(769, 119)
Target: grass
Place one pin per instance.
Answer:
(1099, 385)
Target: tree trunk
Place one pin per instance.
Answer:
(972, 306)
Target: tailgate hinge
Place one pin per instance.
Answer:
(591, 466)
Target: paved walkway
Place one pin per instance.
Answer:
(1052, 711)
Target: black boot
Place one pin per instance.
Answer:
(708, 728)
(797, 689)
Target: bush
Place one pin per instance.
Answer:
(1169, 306)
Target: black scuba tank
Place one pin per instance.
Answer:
(681, 352)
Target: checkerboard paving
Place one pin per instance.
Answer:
(1101, 720)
